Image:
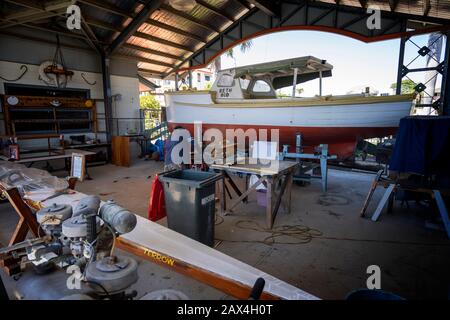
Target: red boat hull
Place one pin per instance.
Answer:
(341, 140)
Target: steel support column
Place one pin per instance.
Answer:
(177, 79)
(445, 87)
(401, 58)
(107, 95)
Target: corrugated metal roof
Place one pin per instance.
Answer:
(168, 37)
(181, 33)
(433, 8)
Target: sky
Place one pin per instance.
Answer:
(356, 64)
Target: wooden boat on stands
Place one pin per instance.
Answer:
(245, 97)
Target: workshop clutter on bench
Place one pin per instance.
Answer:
(32, 183)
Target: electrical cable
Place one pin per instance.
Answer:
(91, 245)
(218, 220)
(22, 67)
(304, 234)
(301, 233)
(113, 234)
(99, 285)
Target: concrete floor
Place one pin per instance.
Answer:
(338, 248)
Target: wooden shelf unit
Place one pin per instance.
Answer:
(49, 115)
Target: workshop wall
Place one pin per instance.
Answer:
(85, 63)
(77, 55)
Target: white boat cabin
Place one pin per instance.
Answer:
(260, 81)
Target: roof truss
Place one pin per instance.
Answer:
(204, 40)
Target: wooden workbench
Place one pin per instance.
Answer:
(65, 155)
(276, 177)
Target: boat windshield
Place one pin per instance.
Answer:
(262, 80)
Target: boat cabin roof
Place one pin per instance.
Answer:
(281, 72)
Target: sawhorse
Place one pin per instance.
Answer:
(391, 187)
(27, 222)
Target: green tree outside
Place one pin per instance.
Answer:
(281, 94)
(408, 86)
(149, 101)
(152, 113)
(244, 47)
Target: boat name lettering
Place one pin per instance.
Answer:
(225, 92)
(159, 257)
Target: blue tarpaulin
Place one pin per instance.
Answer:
(160, 145)
(422, 146)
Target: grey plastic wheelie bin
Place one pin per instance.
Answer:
(190, 203)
